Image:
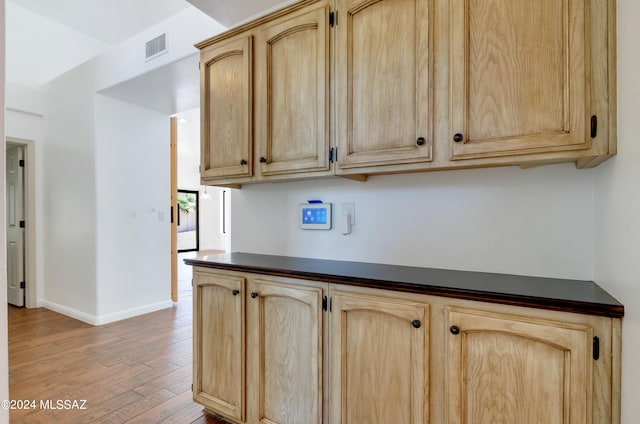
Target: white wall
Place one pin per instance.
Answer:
(26, 126)
(69, 201)
(534, 222)
(4, 357)
(106, 185)
(133, 220)
(189, 179)
(77, 129)
(617, 209)
(24, 98)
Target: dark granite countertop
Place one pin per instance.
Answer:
(578, 296)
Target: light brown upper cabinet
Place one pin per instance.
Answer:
(292, 93)
(383, 73)
(530, 83)
(364, 87)
(265, 98)
(226, 145)
(518, 77)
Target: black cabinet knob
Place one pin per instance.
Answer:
(458, 138)
(236, 292)
(254, 295)
(421, 141)
(454, 329)
(263, 159)
(416, 323)
(243, 162)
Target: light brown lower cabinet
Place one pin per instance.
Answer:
(284, 353)
(278, 350)
(506, 369)
(379, 357)
(219, 343)
(258, 339)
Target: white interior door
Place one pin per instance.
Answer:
(15, 230)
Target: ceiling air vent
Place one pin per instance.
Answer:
(156, 47)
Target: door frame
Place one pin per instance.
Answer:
(173, 164)
(30, 271)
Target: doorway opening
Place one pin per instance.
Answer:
(15, 193)
(188, 207)
(20, 197)
(212, 204)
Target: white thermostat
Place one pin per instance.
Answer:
(315, 215)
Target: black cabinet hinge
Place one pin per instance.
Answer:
(324, 303)
(22, 285)
(596, 348)
(594, 126)
(333, 155)
(22, 224)
(21, 163)
(333, 19)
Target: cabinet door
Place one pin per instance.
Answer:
(294, 97)
(379, 360)
(219, 343)
(285, 353)
(503, 369)
(383, 96)
(226, 109)
(518, 74)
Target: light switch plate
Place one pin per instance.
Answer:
(349, 208)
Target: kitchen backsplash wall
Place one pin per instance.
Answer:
(508, 220)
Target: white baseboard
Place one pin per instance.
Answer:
(133, 312)
(107, 318)
(70, 312)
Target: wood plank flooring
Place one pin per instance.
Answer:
(133, 371)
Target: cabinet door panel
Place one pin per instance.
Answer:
(295, 103)
(226, 110)
(518, 79)
(285, 330)
(218, 343)
(502, 369)
(379, 360)
(384, 97)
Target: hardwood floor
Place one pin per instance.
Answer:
(133, 371)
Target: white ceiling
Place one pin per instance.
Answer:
(46, 38)
(181, 92)
(110, 21)
(231, 12)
